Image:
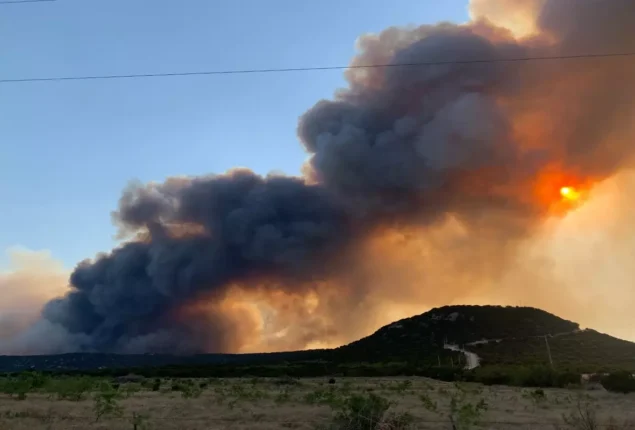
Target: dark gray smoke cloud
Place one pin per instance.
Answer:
(250, 228)
(401, 146)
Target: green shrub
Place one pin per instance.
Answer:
(367, 412)
(402, 386)
(583, 417)
(619, 382)
(73, 389)
(362, 412)
(177, 386)
(130, 389)
(17, 387)
(190, 390)
(536, 396)
(523, 376)
(329, 396)
(536, 376)
(106, 402)
(564, 379)
(428, 403)
(492, 376)
(283, 396)
(139, 422)
(466, 415)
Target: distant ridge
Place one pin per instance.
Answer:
(497, 335)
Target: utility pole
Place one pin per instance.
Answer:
(549, 352)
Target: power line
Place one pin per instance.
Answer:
(26, 1)
(305, 69)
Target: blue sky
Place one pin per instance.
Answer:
(67, 149)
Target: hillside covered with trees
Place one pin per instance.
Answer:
(424, 335)
(587, 350)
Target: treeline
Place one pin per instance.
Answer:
(521, 376)
(535, 376)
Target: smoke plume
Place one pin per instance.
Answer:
(32, 279)
(423, 185)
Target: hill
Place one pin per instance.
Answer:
(426, 334)
(499, 336)
(586, 350)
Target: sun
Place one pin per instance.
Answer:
(569, 193)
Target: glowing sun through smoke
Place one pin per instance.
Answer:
(569, 193)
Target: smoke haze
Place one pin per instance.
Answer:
(424, 186)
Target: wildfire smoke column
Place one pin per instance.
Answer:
(421, 183)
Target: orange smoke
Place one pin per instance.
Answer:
(570, 193)
(559, 191)
(518, 16)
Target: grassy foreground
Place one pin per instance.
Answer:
(313, 403)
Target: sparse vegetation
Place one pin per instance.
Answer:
(139, 421)
(583, 417)
(350, 404)
(156, 385)
(367, 412)
(464, 414)
(107, 402)
(71, 388)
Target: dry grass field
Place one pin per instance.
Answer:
(351, 403)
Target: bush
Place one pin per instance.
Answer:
(73, 389)
(534, 376)
(362, 412)
(130, 389)
(322, 396)
(177, 386)
(16, 388)
(465, 415)
(139, 422)
(537, 396)
(619, 382)
(492, 376)
(583, 417)
(191, 390)
(106, 402)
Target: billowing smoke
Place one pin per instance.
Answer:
(423, 183)
(31, 279)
